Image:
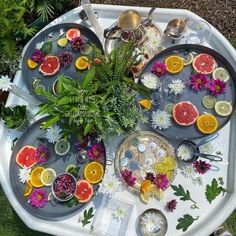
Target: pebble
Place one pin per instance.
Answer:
(142, 147)
(133, 165)
(129, 154)
(124, 162)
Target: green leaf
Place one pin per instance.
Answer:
(88, 215)
(73, 201)
(88, 128)
(185, 222)
(50, 122)
(47, 47)
(88, 78)
(180, 192)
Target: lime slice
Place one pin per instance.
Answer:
(188, 58)
(160, 168)
(47, 176)
(170, 163)
(208, 102)
(86, 49)
(62, 147)
(158, 193)
(220, 73)
(70, 167)
(223, 108)
(169, 108)
(62, 42)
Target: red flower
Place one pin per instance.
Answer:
(128, 177)
(171, 205)
(161, 181)
(201, 166)
(96, 152)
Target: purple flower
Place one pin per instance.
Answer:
(96, 152)
(159, 69)
(171, 205)
(84, 143)
(128, 177)
(77, 43)
(38, 56)
(42, 154)
(161, 181)
(201, 166)
(38, 198)
(150, 176)
(65, 58)
(198, 81)
(216, 87)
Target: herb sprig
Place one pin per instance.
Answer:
(88, 215)
(185, 222)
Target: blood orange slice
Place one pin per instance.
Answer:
(185, 113)
(26, 157)
(50, 66)
(204, 63)
(84, 191)
(71, 33)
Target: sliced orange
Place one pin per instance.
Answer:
(207, 123)
(174, 64)
(146, 186)
(93, 172)
(145, 103)
(82, 63)
(35, 177)
(31, 64)
(28, 189)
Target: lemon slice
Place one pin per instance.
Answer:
(145, 103)
(208, 101)
(160, 168)
(82, 63)
(170, 163)
(28, 189)
(145, 197)
(62, 42)
(47, 176)
(187, 58)
(223, 108)
(220, 73)
(31, 64)
(158, 193)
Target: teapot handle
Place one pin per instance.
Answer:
(111, 29)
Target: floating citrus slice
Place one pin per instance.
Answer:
(146, 186)
(158, 193)
(71, 33)
(82, 63)
(35, 177)
(93, 172)
(70, 167)
(47, 176)
(220, 73)
(62, 147)
(204, 63)
(28, 189)
(208, 101)
(187, 58)
(169, 108)
(174, 64)
(31, 64)
(160, 168)
(170, 163)
(86, 49)
(62, 42)
(207, 123)
(223, 108)
(145, 103)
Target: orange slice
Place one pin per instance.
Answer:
(31, 64)
(28, 189)
(207, 123)
(35, 177)
(145, 103)
(174, 64)
(93, 172)
(82, 63)
(146, 186)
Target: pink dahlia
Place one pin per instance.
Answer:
(77, 43)
(38, 198)
(201, 166)
(161, 181)
(216, 87)
(37, 56)
(198, 81)
(159, 69)
(128, 177)
(171, 205)
(96, 152)
(42, 154)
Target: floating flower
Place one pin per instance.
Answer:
(42, 154)
(128, 177)
(5, 83)
(198, 81)
(150, 176)
(77, 43)
(207, 148)
(37, 56)
(184, 152)
(161, 181)
(198, 181)
(188, 172)
(171, 205)
(65, 58)
(161, 119)
(216, 87)
(53, 134)
(24, 175)
(152, 43)
(150, 81)
(96, 152)
(153, 222)
(201, 166)
(39, 45)
(177, 86)
(159, 69)
(119, 213)
(38, 198)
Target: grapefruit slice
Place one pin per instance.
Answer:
(26, 157)
(71, 33)
(185, 113)
(204, 63)
(84, 191)
(50, 66)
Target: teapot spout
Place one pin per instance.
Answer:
(148, 21)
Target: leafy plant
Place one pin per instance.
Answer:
(185, 222)
(88, 215)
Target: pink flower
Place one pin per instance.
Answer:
(216, 87)
(42, 154)
(159, 69)
(38, 198)
(38, 56)
(198, 81)
(161, 181)
(65, 58)
(128, 177)
(96, 152)
(171, 205)
(201, 166)
(77, 43)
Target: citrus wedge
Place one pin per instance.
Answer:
(145, 103)
(174, 64)
(82, 63)
(93, 172)
(146, 186)
(207, 123)
(31, 64)
(28, 189)
(62, 42)
(158, 193)
(145, 197)
(35, 177)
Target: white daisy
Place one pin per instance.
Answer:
(198, 181)
(39, 45)
(177, 86)
(24, 175)
(188, 172)
(150, 80)
(208, 148)
(184, 152)
(152, 43)
(5, 83)
(119, 213)
(160, 119)
(53, 134)
(152, 222)
(151, 32)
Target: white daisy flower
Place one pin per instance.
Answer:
(208, 148)
(53, 134)
(152, 43)
(151, 32)
(188, 172)
(152, 222)
(24, 175)
(5, 83)
(198, 181)
(39, 45)
(184, 152)
(160, 119)
(150, 80)
(119, 213)
(177, 86)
